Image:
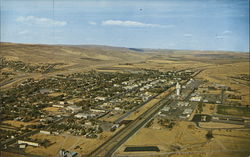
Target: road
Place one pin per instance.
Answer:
(110, 146)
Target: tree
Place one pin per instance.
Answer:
(209, 135)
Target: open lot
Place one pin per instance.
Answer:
(187, 140)
(81, 145)
(233, 110)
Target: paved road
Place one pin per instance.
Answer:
(110, 146)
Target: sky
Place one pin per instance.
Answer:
(161, 24)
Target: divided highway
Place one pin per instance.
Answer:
(111, 145)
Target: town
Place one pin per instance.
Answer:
(110, 78)
(92, 103)
(75, 103)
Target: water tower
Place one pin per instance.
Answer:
(178, 89)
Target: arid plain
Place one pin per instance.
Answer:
(185, 138)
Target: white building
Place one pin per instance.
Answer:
(196, 98)
(45, 132)
(28, 143)
(85, 115)
(100, 98)
(187, 111)
(74, 108)
(178, 89)
(58, 105)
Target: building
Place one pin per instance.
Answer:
(61, 103)
(181, 103)
(178, 89)
(165, 108)
(74, 108)
(58, 105)
(65, 153)
(196, 98)
(97, 110)
(84, 115)
(28, 143)
(187, 111)
(117, 108)
(22, 146)
(100, 98)
(45, 132)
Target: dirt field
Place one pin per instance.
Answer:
(221, 74)
(51, 109)
(18, 123)
(186, 140)
(68, 142)
(209, 108)
(219, 125)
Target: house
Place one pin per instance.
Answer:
(74, 108)
(45, 132)
(100, 98)
(117, 108)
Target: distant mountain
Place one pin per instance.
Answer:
(37, 53)
(98, 54)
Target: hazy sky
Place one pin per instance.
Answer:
(170, 24)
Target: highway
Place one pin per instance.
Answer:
(111, 145)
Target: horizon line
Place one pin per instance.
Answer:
(114, 46)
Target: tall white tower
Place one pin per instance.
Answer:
(178, 89)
